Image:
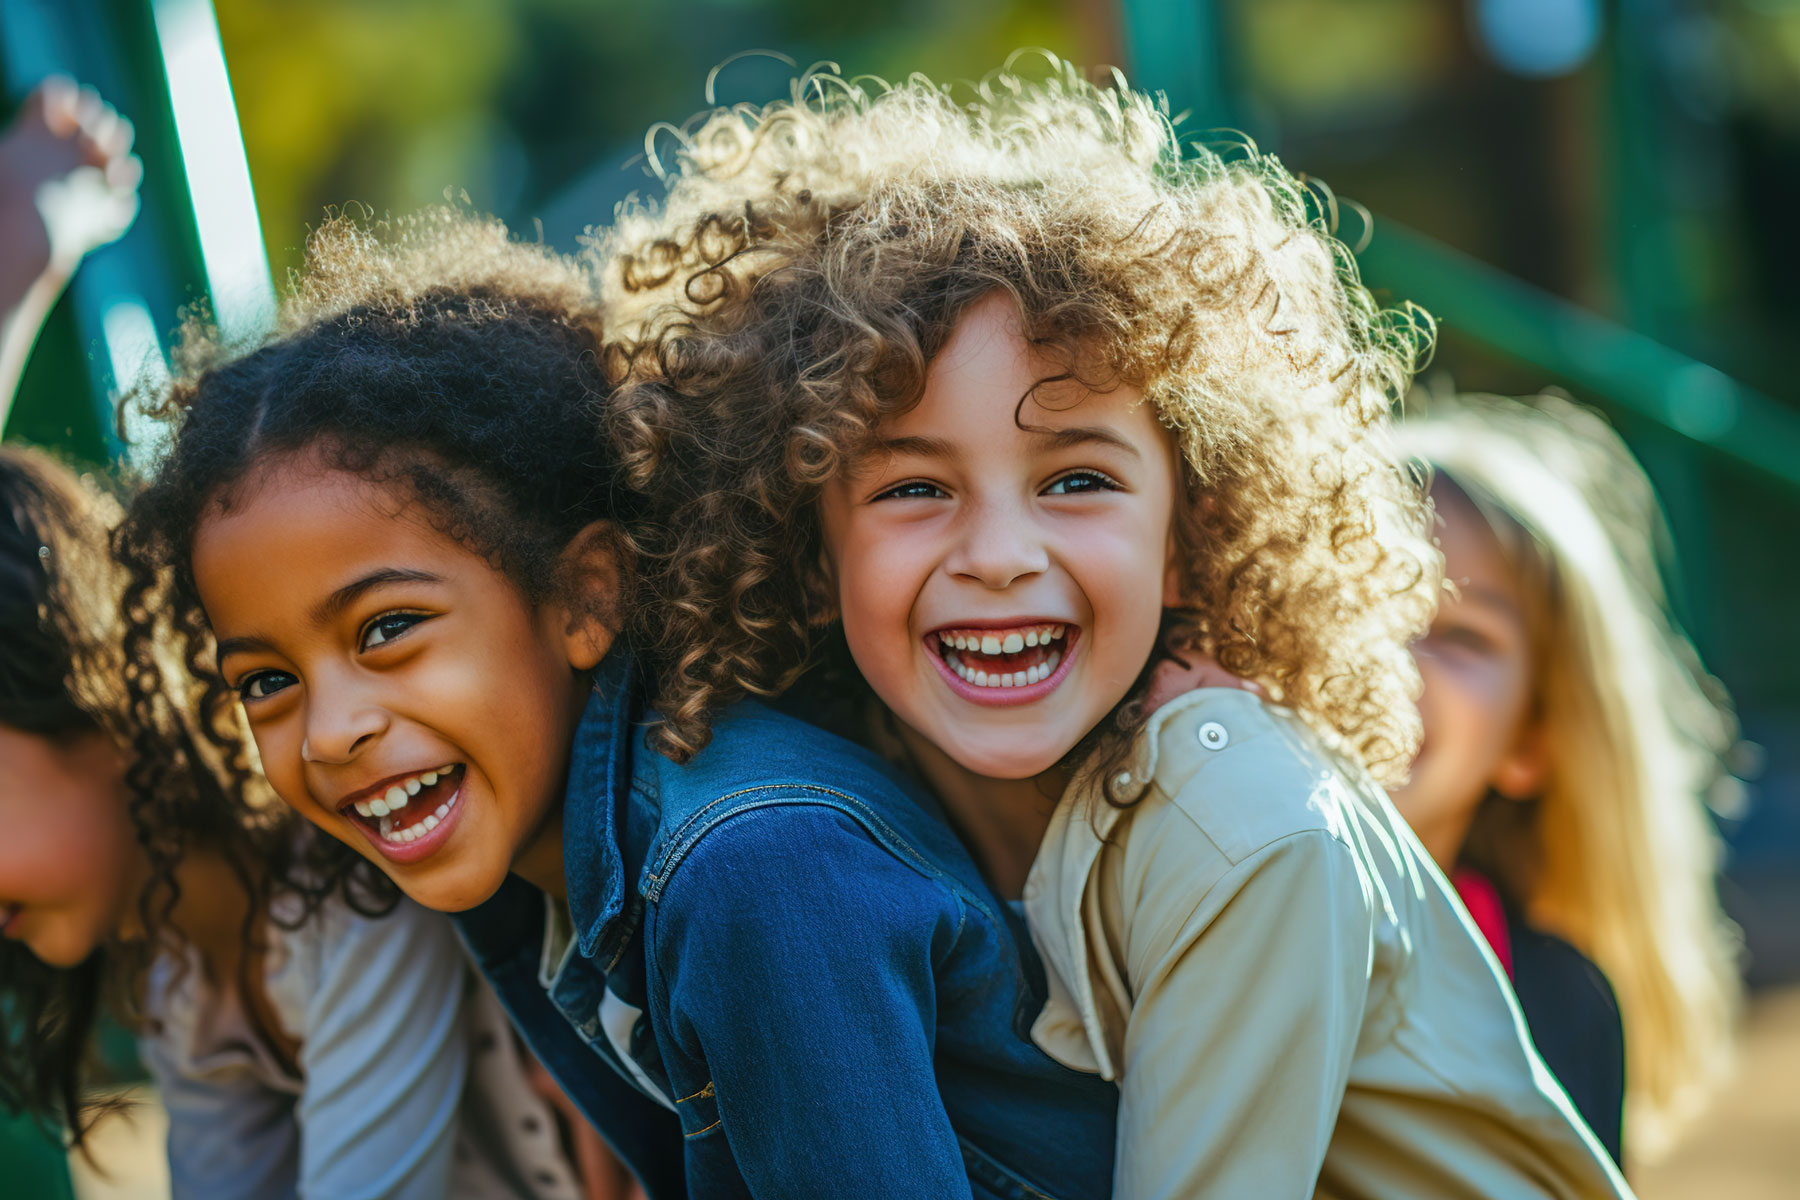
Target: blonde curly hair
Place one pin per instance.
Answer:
(813, 255)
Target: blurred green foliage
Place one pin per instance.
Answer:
(393, 104)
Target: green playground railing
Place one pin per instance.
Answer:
(1183, 47)
(197, 237)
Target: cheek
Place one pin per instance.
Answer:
(278, 746)
(67, 852)
(1476, 703)
(1121, 570)
(878, 577)
(507, 703)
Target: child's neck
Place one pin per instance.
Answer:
(212, 909)
(540, 863)
(1001, 821)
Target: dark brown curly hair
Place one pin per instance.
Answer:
(813, 256)
(64, 674)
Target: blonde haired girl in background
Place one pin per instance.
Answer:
(1572, 742)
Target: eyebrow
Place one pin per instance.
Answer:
(329, 608)
(334, 604)
(239, 645)
(1487, 597)
(1054, 439)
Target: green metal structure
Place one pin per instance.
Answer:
(1182, 47)
(196, 239)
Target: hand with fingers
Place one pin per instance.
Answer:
(68, 179)
(68, 185)
(1189, 671)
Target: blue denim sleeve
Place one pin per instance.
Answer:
(793, 957)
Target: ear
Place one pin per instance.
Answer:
(591, 583)
(1522, 773)
(1173, 596)
(822, 592)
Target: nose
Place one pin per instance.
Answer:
(998, 546)
(340, 723)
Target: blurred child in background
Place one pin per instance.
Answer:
(303, 1043)
(1571, 745)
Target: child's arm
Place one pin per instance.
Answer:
(228, 1135)
(1246, 1016)
(794, 957)
(1246, 927)
(68, 183)
(385, 1052)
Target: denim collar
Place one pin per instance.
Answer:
(595, 800)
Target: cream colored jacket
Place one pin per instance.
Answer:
(1285, 988)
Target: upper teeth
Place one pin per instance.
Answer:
(995, 642)
(395, 798)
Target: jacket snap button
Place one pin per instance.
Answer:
(1212, 735)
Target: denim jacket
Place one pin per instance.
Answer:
(798, 982)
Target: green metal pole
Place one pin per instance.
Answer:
(1598, 357)
(1178, 47)
(1656, 292)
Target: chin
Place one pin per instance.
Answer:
(61, 956)
(1010, 763)
(452, 891)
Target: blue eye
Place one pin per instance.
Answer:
(387, 627)
(916, 490)
(1077, 482)
(260, 685)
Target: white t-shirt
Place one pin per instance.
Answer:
(409, 1083)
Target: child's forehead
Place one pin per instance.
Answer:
(303, 503)
(990, 404)
(324, 472)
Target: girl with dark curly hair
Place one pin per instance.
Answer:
(987, 402)
(146, 874)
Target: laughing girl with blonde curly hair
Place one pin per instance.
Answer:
(995, 403)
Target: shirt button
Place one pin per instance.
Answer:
(1212, 735)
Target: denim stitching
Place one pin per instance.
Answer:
(684, 841)
(783, 794)
(721, 1121)
(699, 1095)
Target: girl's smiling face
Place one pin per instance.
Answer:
(405, 694)
(1001, 569)
(1481, 731)
(69, 863)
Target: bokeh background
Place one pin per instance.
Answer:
(1594, 195)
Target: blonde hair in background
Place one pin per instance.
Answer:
(1621, 856)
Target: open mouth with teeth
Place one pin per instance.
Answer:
(409, 808)
(1001, 659)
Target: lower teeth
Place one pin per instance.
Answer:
(414, 832)
(1008, 679)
